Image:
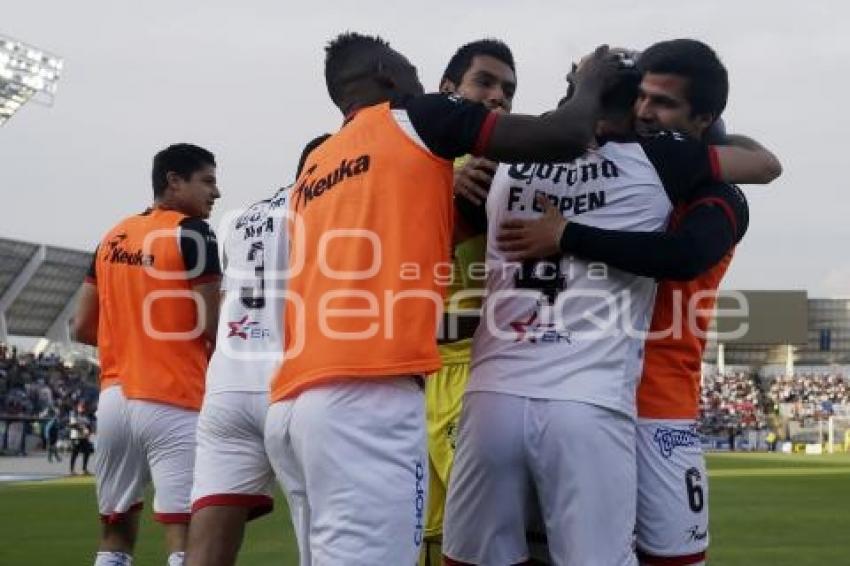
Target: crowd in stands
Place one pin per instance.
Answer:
(49, 396)
(54, 396)
(809, 395)
(731, 401)
(745, 401)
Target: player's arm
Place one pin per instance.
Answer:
(210, 301)
(450, 126)
(713, 224)
(685, 166)
(743, 160)
(563, 134)
(199, 247)
(86, 317)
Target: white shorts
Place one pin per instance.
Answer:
(352, 459)
(165, 436)
(118, 464)
(231, 466)
(672, 518)
(580, 458)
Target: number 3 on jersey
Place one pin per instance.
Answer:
(542, 275)
(253, 296)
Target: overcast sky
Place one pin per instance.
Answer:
(245, 80)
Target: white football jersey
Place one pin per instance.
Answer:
(566, 328)
(249, 346)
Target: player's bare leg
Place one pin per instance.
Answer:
(215, 535)
(175, 542)
(120, 536)
(117, 540)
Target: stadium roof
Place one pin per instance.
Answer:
(38, 288)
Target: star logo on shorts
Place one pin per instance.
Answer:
(695, 535)
(238, 328)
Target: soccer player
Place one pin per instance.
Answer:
(346, 430)
(233, 477)
(119, 499)
(480, 71)
(550, 402)
(156, 277)
(684, 88)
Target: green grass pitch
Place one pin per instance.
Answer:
(766, 509)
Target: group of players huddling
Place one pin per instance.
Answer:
(548, 415)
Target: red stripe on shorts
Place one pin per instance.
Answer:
(451, 562)
(258, 505)
(172, 518)
(687, 560)
(114, 518)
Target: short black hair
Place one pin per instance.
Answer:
(350, 54)
(708, 81)
(181, 158)
(619, 97)
(461, 61)
(308, 149)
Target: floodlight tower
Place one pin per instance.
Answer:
(26, 73)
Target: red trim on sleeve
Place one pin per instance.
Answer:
(714, 160)
(258, 505)
(687, 560)
(484, 133)
(723, 204)
(90, 280)
(201, 279)
(114, 518)
(172, 518)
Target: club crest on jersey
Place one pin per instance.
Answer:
(668, 439)
(247, 330)
(533, 331)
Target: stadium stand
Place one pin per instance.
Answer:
(36, 389)
(731, 401)
(38, 288)
(38, 293)
(794, 407)
(809, 395)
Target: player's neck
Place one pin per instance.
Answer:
(165, 204)
(613, 127)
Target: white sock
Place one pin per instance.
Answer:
(176, 558)
(111, 558)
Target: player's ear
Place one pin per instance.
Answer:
(447, 86)
(173, 179)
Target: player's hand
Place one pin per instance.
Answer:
(473, 178)
(532, 238)
(597, 70)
